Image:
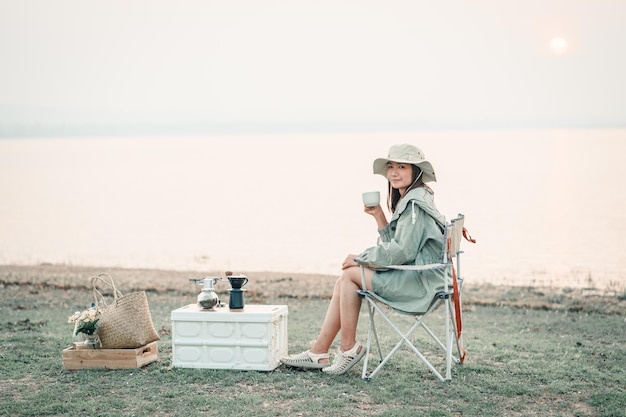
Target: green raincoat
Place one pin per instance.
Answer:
(414, 236)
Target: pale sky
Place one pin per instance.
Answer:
(78, 66)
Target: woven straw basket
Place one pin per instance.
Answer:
(125, 323)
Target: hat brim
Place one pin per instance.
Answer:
(428, 173)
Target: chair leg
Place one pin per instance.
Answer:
(371, 332)
(433, 336)
(448, 308)
(371, 329)
(404, 338)
(373, 324)
(454, 335)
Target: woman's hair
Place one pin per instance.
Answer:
(394, 194)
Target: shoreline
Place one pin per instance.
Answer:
(265, 284)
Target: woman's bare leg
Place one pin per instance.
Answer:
(350, 304)
(332, 323)
(343, 311)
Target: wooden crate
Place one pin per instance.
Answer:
(110, 358)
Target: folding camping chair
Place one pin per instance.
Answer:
(450, 297)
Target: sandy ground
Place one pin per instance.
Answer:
(302, 286)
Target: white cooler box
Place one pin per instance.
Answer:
(254, 338)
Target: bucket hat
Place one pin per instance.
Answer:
(406, 154)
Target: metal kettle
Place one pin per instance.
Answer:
(207, 299)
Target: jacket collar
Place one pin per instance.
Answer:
(423, 199)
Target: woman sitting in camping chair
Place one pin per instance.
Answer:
(413, 236)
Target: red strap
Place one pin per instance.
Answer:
(467, 236)
(457, 295)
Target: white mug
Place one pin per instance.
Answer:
(371, 198)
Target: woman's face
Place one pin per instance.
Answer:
(399, 175)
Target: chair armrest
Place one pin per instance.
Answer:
(374, 266)
(368, 264)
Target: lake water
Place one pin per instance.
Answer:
(546, 206)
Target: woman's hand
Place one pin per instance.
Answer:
(349, 262)
(378, 214)
(374, 210)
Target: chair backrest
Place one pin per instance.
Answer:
(454, 232)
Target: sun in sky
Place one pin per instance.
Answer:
(558, 45)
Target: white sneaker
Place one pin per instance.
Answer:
(346, 360)
(306, 360)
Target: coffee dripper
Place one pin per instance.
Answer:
(235, 301)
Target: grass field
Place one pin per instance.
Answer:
(531, 352)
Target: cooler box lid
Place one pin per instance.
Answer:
(250, 313)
